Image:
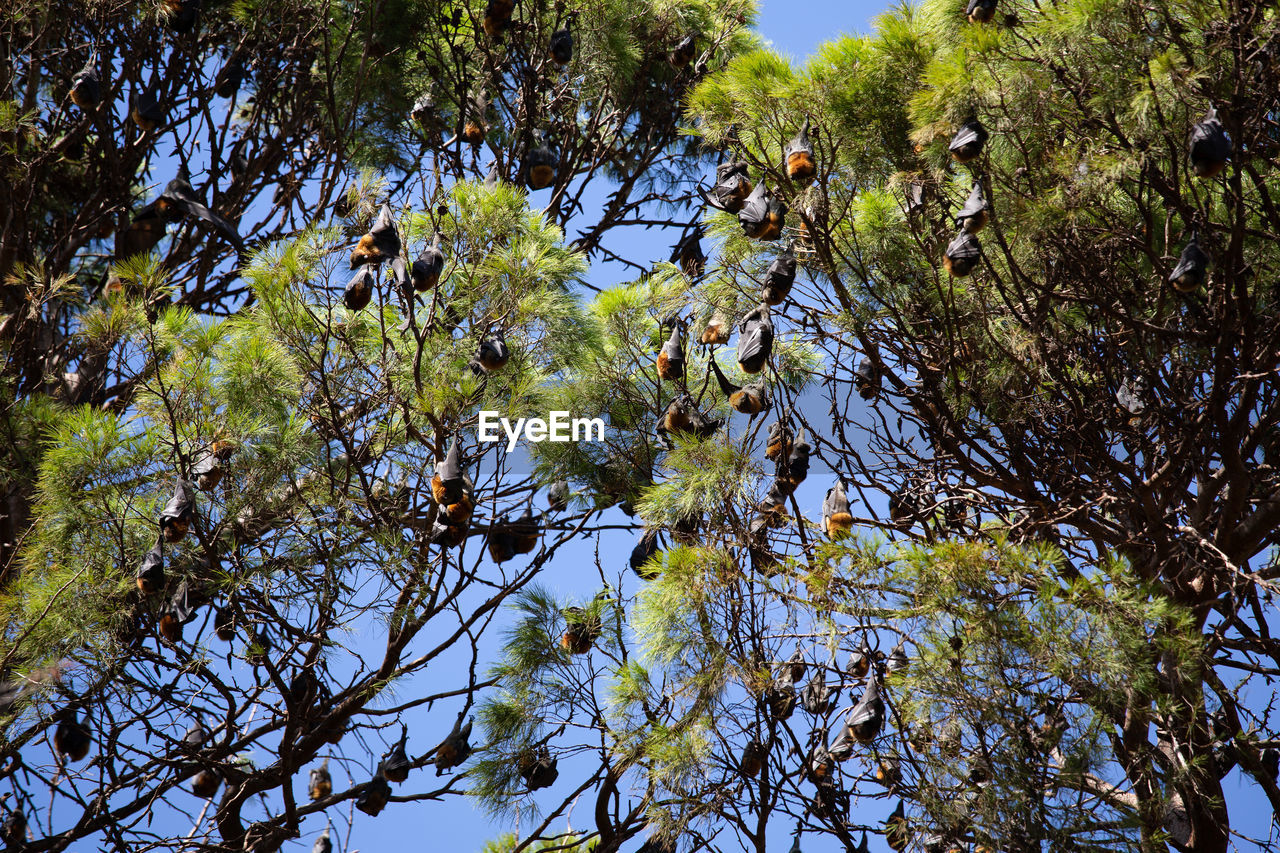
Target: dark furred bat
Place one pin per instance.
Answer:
(323, 844)
(755, 340)
(395, 764)
(779, 700)
(797, 157)
(779, 278)
(145, 110)
(540, 164)
(149, 575)
(860, 661)
(732, 187)
(524, 531)
(561, 46)
(867, 380)
(980, 11)
(867, 717)
(206, 783)
(179, 200)
(558, 496)
(688, 254)
(71, 739)
(962, 255)
(752, 761)
(973, 216)
(967, 144)
(359, 291)
(380, 244)
(896, 831)
(427, 268)
(816, 697)
(749, 400)
(762, 216)
(177, 612)
(497, 17)
(373, 799)
(537, 769)
(1193, 266)
(493, 352)
(1209, 146)
(455, 748)
(178, 513)
(642, 553)
(683, 52)
(86, 87)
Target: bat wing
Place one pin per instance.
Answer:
(975, 204)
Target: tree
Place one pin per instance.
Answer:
(1062, 455)
(218, 462)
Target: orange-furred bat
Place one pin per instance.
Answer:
(749, 400)
(973, 216)
(1193, 266)
(779, 278)
(380, 244)
(967, 144)
(755, 340)
(962, 255)
(671, 356)
(762, 216)
(797, 157)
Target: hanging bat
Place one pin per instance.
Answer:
(359, 291)
(86, 86)
(304, 689)
(915, 198)
(455, 748)
(497, 17)
(671, 356)
(229, 78)
(149, 576)
(867, 380)
(540, 164)
(818, 698)
(755, 340)
(323, 844)
(524, 531)
(206, 783)
(208, 471)
(888, 772)
(446, 533)
(448, 479)
(537, 769)
(558, 496)
(860, 661)
(897, 661)
(1209, 146)
(460, 511)
(493, 353)
(793, 472)
(973, 216)
(751, 763)
(380, 244)
(500, 544)
(867, 717)
(779, 700)
(762, 216)
(837, 520)
(179, 200)
(561, 45)
(395, 764)
(176, 517)
(896, 832)
(778, 444)
(821, 764)
(967, 144)
(797, 157)
(581, 631)
(749, 400)
(716, 332)
(688, 254)
(374, 798)
(177, 612)
(980, 11)
(795, 666)
(195, 737)
(682, 416)
(15, 830)
(683, 52)
(427, 268)
(779, 277)
(731, 188)
(642, 553)
(962, 254)
(183, 15)
(145, 110)
(1193, 266)
(224, 624)
(319, 782)
(71, 739)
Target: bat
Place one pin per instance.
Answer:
(1193, 266)
(460, 511)
(755, 340)
(752, 761)
(359, 290)
(716, 332)
(149, 576)
(497, 17)
(146, 111)
(1209, 146)
(224, 624)
(973, 216)
(980, 11)
(229, 78)
(558, 496)
(837, 520)
(86, 86)
(206, 783)
(896, 833)
(524, 531)
(581, 631)
(671, 356)
(962, 254)
(176, 517)
(862, 844)
(867, 717)
(731, 188)
(540, 164)
(395, 764)
(762, 216)
(793, 472)
(820, 765)
(177, 612)
(448, 480)
(561, 45)
(779, 700)
(897, 661)
(888, 772)
(915, 198)
(71, 739)
(867, 380)
(778, 444)
(425, 114)
(304, 689)
(400, 279)
(475, 125)
(749, 400)
(183, 15)
(860, 661)
(501, 545)
(319, 782)
(682, 416)
(537, 769)
(375, 796)
(967, 144)
(323, 844)
(796, 666)
(683, 52)
(493, 353)
(15, 830)
(380, 244)
(208, 469)
(195, 737)
(427, 268)
(644, 551)
(797, 156)
(779, 277)
(455, 748)
(817, 698)
(689, 255)
(179, 200)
